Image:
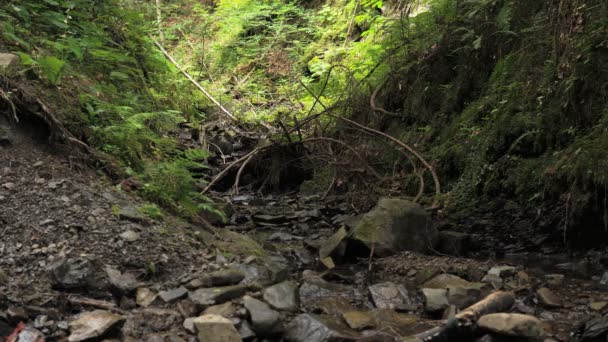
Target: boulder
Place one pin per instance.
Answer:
(318, 328)
(390, 296)
(213, 328)
(79, 273)
(94, 325)
(265, 321)
(512, 324)
(435, 300)
(396, 225)
(282, 296)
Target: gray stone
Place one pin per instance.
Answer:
(604, 279)
(8, 60)
(435, 300)
(512, 324)
(314, 288)
(265, 321)
(189, 325)
(145, 297)
(16, 314)
(445, 280)
(219, 216)
(464, 296)
(226, 310)
(396, 225)
(282, 296)
(131, 213)
(172, 295)
(213, 328)
(221, 278)
(124, 282)
(497, 274)
(319, 328)
(94, 325)
(548, 299)
(129, 236)
(211, 296)
(77, 273)
(245, 330)
(28, 334)
(390, 296)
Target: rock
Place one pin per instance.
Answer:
(426, 273)
(443, 281)
(604, 278)
(129, 236)
(172, 295)
(265, 321)
(217, 295)
(213, 328)
(548, 299)
(435, 300)
(3, 278)
(465, 296)
(130, 213)
(598, 306)
(453, 243)
(512, 324)
(189, 325)
(187, 308)
(318, 328)
(245, 330)
(594, 329)
(145, 297)
(555, 280)
(26, 334)
(94, 325)
(359, 320)
(16, 314)
(226, 310)
(334, 246)
(222, 213)
(77, 273)
(390, 296)
(8, 60)
(124, 282)
(282, 296)
(220, 278)
(396, 225)
(497, 274)
(313, 289)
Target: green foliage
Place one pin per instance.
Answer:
(152, 211)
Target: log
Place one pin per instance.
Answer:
(463, 323)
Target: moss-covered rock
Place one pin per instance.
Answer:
(396, 225)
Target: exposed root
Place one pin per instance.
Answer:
(372, 101)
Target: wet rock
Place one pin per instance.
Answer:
(359, 320)
(282, 296)
(129, 236)
(548, 299)
(145, 297)
(123, 282)
(265, 321)
(211, 296)
(318, 328)
(390, 296)
(245, 330)
(173, 295)
(93, 325)
(213, 328)
(76, 273)
(554, 280)
(453, 243)
(511, 324)
(435, 300)
(219, 278)
(226, 310)
(396, 225)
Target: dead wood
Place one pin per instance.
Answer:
(95, 303)
(464, 322)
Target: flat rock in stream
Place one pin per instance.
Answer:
(93, 325)
(512, 324)
(396, 225)
(319, 328)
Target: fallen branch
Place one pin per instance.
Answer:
(209, 96)
(233, 164)
(389, 137)
(95, 303)
(238, 174)
(464, 322)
